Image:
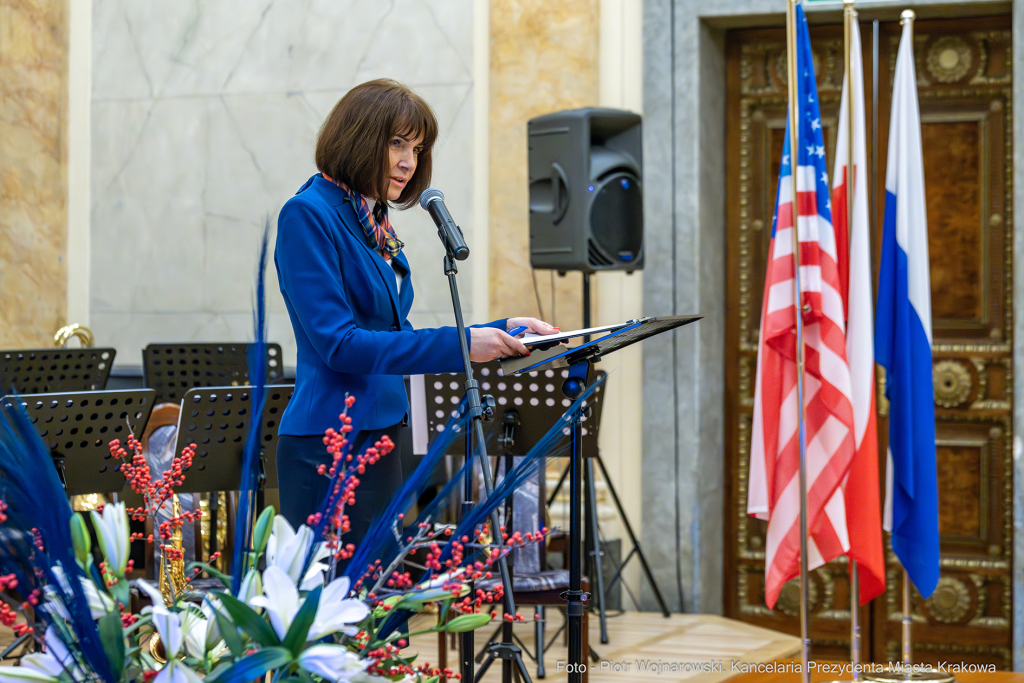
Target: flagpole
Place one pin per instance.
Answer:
(794, 165)
(850, 16)
(908, 620)
(907, 19)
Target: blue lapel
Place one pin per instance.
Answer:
(384, 268)
(404, 306)
(404, 263)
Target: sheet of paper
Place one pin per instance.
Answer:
(530, 339)
(418, 416)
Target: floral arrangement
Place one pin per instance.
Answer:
(289, 608)
(286, 616)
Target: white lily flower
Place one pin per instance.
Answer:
(332, 662)
(112, 532)
(336, 613)
(197, 625)
(25, 672)
(99, 602)
(209, 608)
(176, 672)
(252, 585)
(56, 594)
(53, 604)
(280, 599)
(287, 548)
(155, 596)
(44, 666)
(168, 626)
(193, 629)
(316, 573)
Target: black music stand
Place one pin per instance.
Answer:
(580, 360)
(173, 369)
(78, 428)
(216, 419)
(525, 408)
(39, 371)
(536, 396)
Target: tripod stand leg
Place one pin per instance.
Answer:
(483, 668)
(523, 674)
(594, 546)
(632, 539)
(15, 645)
(466, 648)
(538, 631)
(506, 633)
(214, 507)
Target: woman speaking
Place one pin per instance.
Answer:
(348, 289)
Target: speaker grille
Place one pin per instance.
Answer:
(616, 221)
(594, 255)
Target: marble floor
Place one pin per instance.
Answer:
(702, 648)
(683, 647)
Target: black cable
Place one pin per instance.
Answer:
(554, 317)
(537, 294)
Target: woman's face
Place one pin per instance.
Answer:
(403, 153)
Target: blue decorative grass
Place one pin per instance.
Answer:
(257, 378)
(36, 500)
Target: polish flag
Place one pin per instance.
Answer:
(853, 247)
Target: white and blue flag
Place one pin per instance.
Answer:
(903, 339)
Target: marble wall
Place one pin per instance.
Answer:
(204, 117)
(544, 58)
(33, 171)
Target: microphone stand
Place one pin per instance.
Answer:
(480, 411)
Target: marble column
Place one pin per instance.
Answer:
(544, 58)
(1018, 338)
(33, 171)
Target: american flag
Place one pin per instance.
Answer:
(773, 491)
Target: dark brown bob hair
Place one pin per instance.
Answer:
(353, 142)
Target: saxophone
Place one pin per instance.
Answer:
(172, 581)
(172, 572)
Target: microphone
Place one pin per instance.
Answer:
(432, 200)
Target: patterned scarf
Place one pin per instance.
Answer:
(380, 236)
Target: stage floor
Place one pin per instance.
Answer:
(712, 648)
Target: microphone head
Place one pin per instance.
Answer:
(430, 194)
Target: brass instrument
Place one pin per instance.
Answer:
(172, 572)
(84, 334)
(172, 581)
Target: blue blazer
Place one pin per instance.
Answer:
(351, 323)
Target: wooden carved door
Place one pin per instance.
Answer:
(964, 86)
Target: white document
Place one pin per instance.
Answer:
(418, 415)
(531, 339)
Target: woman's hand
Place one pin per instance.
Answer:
(488, 343)
(532, 325)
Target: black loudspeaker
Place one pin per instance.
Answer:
(586, 195)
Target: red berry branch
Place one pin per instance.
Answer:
(155, 494)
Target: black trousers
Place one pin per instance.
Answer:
(303, 490)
